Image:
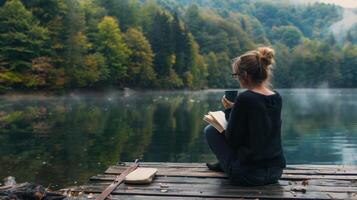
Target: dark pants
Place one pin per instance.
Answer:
(238, 175)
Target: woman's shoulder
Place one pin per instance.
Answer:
(251, 96)
(246, 97)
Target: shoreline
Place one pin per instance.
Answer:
(136, 90)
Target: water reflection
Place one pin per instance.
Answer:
(64, 140)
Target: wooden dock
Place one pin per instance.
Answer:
(185, 181)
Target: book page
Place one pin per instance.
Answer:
(219, 116)
(213, 122)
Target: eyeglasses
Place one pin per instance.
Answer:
(235, 62)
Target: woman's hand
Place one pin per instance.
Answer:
(226, 103)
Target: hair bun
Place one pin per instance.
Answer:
(266, 56)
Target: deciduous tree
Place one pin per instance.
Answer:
(111, 45)
(140, 67)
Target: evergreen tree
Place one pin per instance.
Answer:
(126, 11)
(178, 42)
(21, 37)
(198, 69)
(283, 75)
(46, 11)
(147, 13)
(215, 75)
(193, 18)
(183, 47)
(161, 41)
(82, 68)
(223, 65)
(349, 37)
(93, 14)
(349, 74)
(76, 45)
(52, 14)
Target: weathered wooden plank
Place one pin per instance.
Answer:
(211, 184)
(220, 181)
(169, 164)
(293, 169)
(320, 172)
(203, 165)
(286, 171)
(166, 171)
(353, 167)
(148, 197)
(200, 172)
(308, 177)
(141, 197)
(190, 191)
(184, 172)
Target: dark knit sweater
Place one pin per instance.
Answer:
(254, 129)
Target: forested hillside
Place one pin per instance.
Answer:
(167, 44)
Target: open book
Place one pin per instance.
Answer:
(217, 119)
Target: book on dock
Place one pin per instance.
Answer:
(217, 119)
(141, 176)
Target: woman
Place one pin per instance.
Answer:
(249, 151)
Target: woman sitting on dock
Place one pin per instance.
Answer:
(249, 151)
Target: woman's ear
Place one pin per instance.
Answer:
(244, 79)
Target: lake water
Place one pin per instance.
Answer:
(59, 141)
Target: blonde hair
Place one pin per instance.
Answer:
(257, 64)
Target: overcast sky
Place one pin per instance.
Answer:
(343, 3)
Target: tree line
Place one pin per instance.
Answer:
(164, 44)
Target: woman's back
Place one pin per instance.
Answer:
(254, 129)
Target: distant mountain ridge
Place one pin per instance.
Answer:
(309, 19)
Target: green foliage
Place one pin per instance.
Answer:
(140, 71)
(93, 14)
(214, 71)
(110, 43)
(310, 64)
(198, 70)
(283, 75)
(171, 81)
(254, 28)
(288, 35)
(230, 37)
(348, 72)
(351, 36)
(311, 19)
(43, 74)
(62, 44)
(126, 11)
(92, 70)
(219, 70)
(9, 79)
(46, 10)
(161, 41)
(21, 38)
